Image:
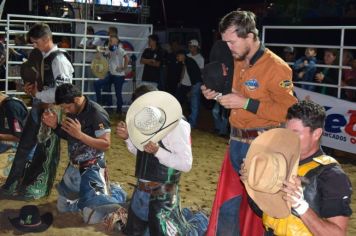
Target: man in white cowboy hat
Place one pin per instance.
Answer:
(317, 202)
(156, 132)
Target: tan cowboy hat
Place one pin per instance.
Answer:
(99, 66)
(272, 158)
(151, 117)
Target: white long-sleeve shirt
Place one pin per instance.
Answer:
(61, 68)
(178, 142)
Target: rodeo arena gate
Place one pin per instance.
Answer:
(133, 37)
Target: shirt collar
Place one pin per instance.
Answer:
(55, 48)
(258, 54)
(316, 154)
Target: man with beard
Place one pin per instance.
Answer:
(260, 96)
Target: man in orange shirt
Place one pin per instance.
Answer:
(260, 96)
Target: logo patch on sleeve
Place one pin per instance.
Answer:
(252, 84)
(287, 84)
(101, 126)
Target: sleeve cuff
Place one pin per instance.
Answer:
(253, 105)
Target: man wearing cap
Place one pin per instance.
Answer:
(31, 178)
(262, 91)
(320, 196)
(157, 134)
(194, 53)
(13, 114)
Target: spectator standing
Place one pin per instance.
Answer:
(89, 42)
(190, 76)
(151, 59)
(118, 61)
(173, 68)
(305, 68)
(327, 75)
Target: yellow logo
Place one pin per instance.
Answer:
(286, 84)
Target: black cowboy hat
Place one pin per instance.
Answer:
(30, 220)
(31, 69)
(213, 77)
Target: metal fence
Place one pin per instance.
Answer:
(320, 37)
(75, 30)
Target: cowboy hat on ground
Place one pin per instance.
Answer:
(30, 220)
(151, 117)
(272, 158)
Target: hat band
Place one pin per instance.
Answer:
(31, 225)
(153, 134)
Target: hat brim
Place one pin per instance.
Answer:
(275, 140)
(163, 100)
(99, 67)
(46, 221)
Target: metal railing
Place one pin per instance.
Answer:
(20, 24)
(303, 41)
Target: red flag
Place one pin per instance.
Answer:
(230, 186)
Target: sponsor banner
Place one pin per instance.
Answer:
(340, 123)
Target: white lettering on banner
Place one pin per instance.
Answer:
(340, 122)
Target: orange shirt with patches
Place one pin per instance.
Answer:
(269, 81)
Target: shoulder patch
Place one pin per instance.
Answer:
(286, 84)
(252, 84)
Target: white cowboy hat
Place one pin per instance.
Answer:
(272, 158)
(151, 117)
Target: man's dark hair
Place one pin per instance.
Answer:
(243, 21)
(310, 113)
(39, 30)
(66, 93)
(154, 37)
(90, 29)
(141, 90)
(113, 30)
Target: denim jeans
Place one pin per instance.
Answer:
(238, 151)
(228, 221)
(220, 117)
(109, 79)
(88, 187)
(194, 104)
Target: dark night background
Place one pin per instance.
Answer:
(205, 15)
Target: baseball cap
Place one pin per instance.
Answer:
(194, 42)
(288, 49)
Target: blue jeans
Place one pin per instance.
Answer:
(109, 79)
(220, 116)
(194, 104)
(86, 189)
(238, 151)
(228, 220)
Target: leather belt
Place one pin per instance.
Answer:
(155, 188)
(248, 133)
(84, 164)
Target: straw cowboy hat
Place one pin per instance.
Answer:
(272, 158)
(30, 220)
(99, 66)
(151, 117)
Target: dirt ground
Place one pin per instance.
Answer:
(197, 187)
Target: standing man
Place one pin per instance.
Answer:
(118, 61)
(260, 96)
(13, 113)
(321, 194)
(190, 80)
(34, 178)
(151, 59)
(194, 53)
